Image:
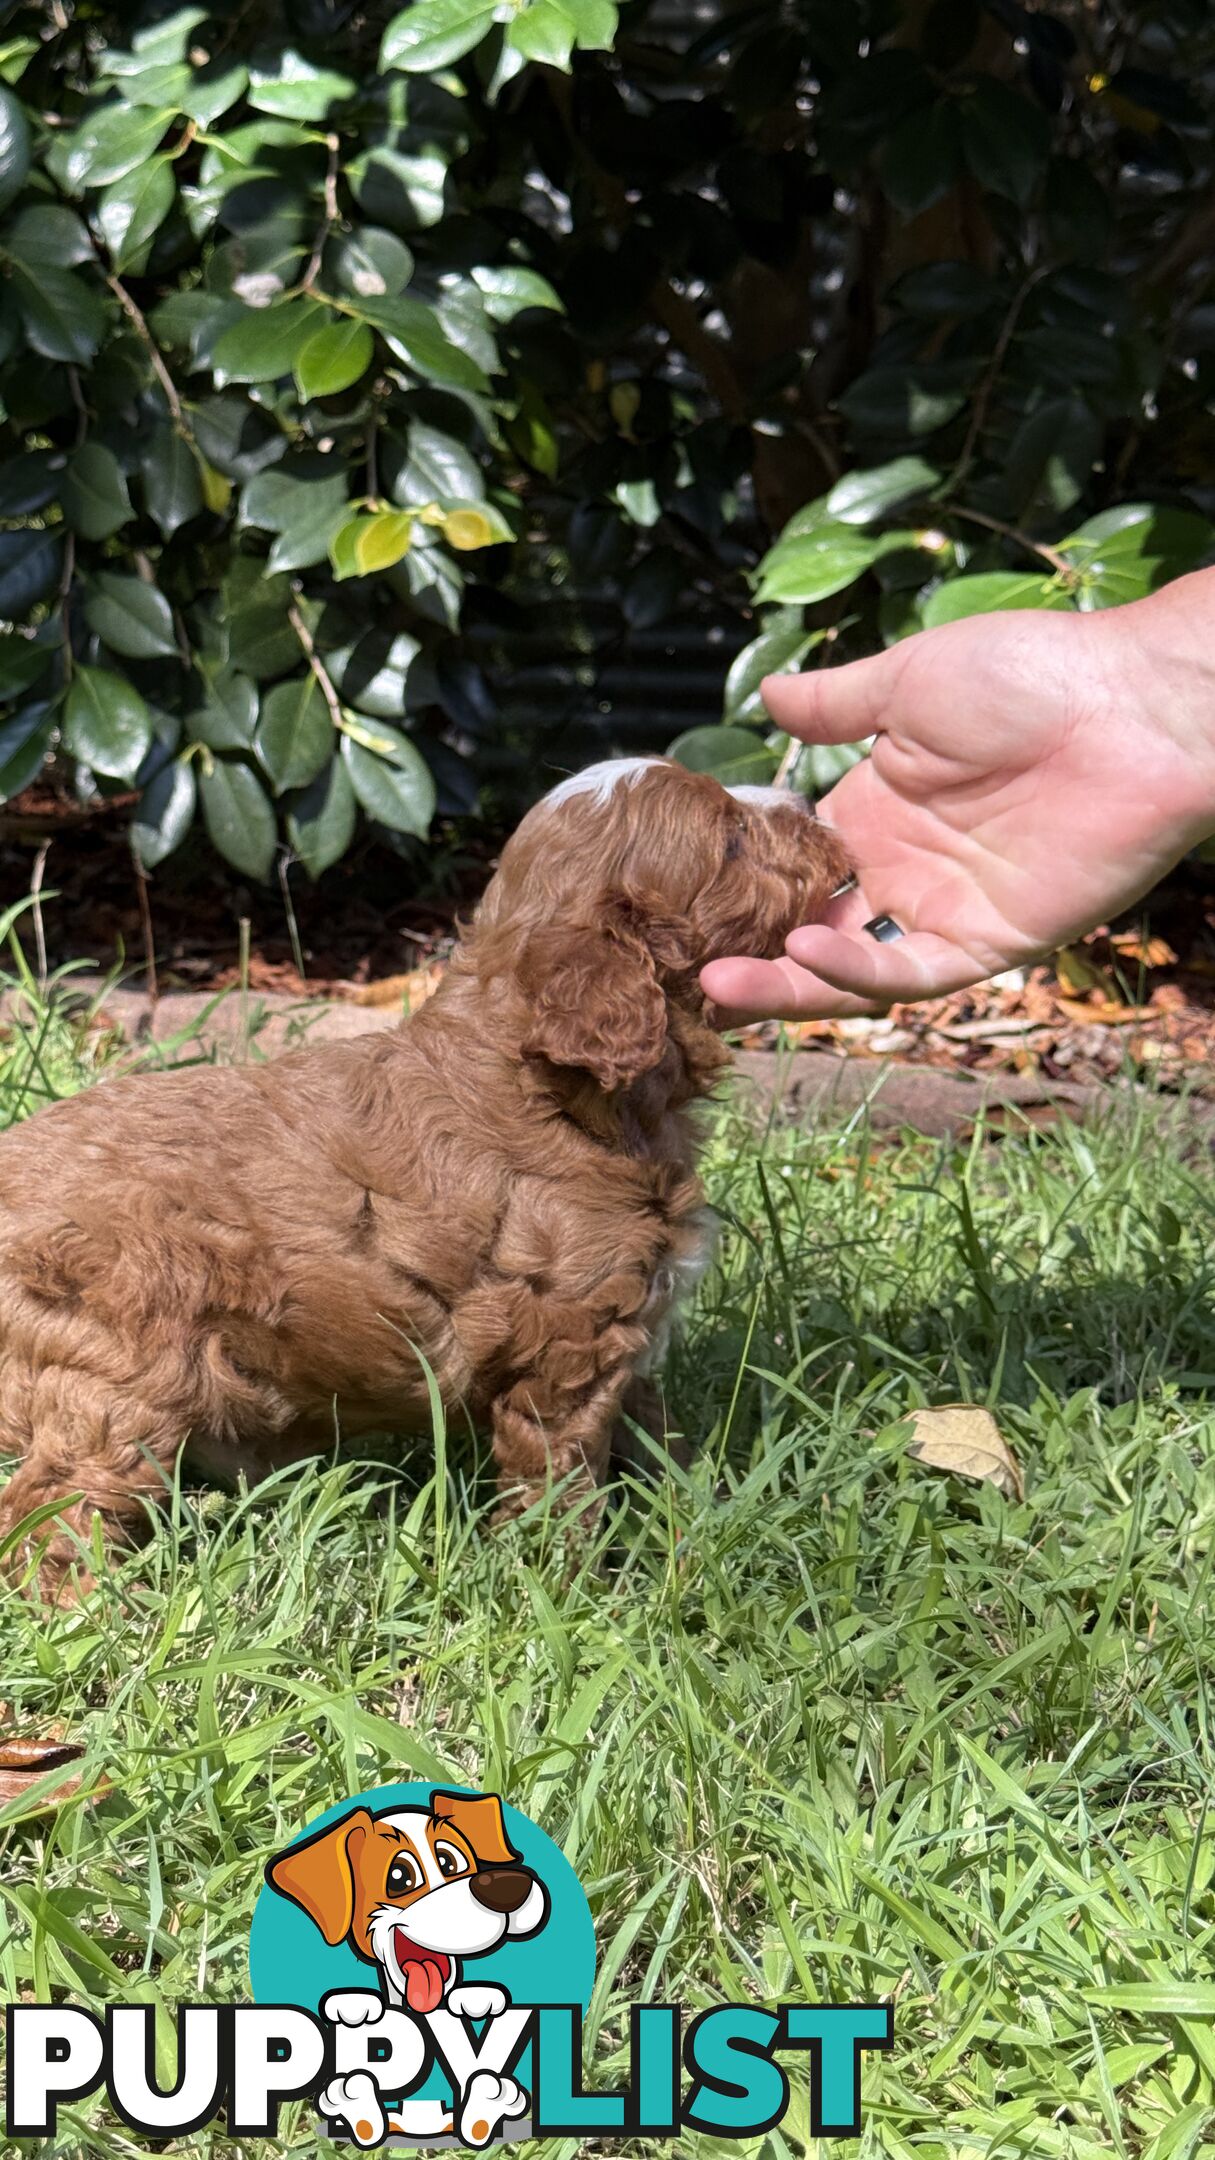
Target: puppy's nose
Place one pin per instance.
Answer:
(502, 1889)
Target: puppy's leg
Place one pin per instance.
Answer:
(78, 1435)
(542, 1433)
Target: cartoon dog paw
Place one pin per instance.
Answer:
(477, 2001)
(354, 2101)
(353, 2006)
(489, 2101)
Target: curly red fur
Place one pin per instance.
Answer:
(230, 1258)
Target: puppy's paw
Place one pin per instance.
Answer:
(477, 2000)
(354, 2102)
(488, 2102)
(352, 2006)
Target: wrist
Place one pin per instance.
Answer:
(1162, 651)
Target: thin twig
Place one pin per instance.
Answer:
(145, 922)
(984, 393)
(1059, 563)
(167, 384)
(783, 776)
(285, 860)
(36, 911)
(330, 218)
(321, 672)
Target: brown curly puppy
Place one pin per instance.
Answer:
(249, 1259)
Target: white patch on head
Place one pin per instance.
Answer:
(766, 797)
(599, 781)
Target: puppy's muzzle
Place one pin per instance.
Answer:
(501, 1890)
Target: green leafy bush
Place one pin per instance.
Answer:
(354, 360)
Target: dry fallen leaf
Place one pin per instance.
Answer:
(23, 1763)
(967, 1442)
(407, 991)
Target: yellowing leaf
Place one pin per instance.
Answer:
(968, 1443)
(475, 525)
(382, 540)
(216, 487)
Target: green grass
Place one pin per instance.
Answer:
(814, 1721)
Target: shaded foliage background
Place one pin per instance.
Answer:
(399, 407)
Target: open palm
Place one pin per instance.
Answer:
(1024, 785)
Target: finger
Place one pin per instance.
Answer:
(746, 990)
(917, 965)
(835, 705)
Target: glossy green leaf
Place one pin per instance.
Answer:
(106, 723)
(172, 480)
(239, 816)
(236, 437)
(130, 616)
(265, 343)
(303, 501)
(1005, 140)
(542, 31)
(132, 211)
(321, 819)
(430, 34)
(1051, 457)
(778, 650)
(112, 141)
(333, 358)
(733, 755)
(94, 492)
(511, 287)
(394, 784)
(165, 813)
(936, 290)
(295, 733)
(227, 717)
(47, 232)
(212, 91)
(63, 314)
(990, 591)
(25, 743)
(813, 565)
(14, 147)
(293, 88)
(372, 264)
(29, 568)
(22, 662)
(902, 401)
(434, 467)
(414, 332)
(919, 162)
(860, 497)
(372, 674)
(1157, 529)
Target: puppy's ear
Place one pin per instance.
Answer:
(480, 1821)
(319, 1876)
(597, 1004)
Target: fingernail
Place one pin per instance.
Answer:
(884, 928)
(848, 885)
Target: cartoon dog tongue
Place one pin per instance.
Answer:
(425, 1973)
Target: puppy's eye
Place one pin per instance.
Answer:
(734, 846)
(451, 1862)
(403, 1875)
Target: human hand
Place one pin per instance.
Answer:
(1033, 774)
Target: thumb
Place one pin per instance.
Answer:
(834, 705)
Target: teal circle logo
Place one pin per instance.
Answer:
(423, 1895)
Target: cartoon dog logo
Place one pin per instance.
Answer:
(416, 1891)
